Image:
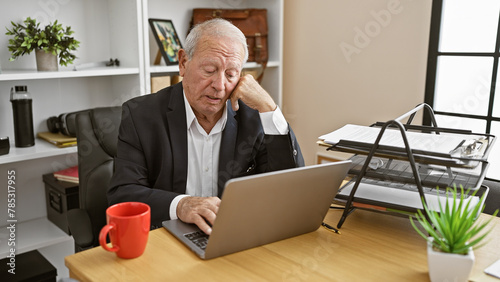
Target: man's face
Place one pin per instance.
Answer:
(211, 75)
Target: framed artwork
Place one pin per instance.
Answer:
(167, 39)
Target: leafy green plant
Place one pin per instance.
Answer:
(53, 38)
(454, 227)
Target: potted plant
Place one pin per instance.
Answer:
(453, 233)
(48, 43)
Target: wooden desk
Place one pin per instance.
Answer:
(372, 247)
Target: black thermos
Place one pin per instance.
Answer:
(23, 116)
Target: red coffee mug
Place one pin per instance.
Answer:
(128, 228)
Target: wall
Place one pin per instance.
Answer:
(356, 61)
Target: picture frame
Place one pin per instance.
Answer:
(167, 39)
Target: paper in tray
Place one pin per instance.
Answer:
(391, 172)
(459, 150)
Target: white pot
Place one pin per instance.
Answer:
(449, 267)
(45, 61)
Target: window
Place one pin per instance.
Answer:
(463, 69)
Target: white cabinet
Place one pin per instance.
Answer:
(107, 29)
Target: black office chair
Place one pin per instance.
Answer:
(492, 202)
(97, 135)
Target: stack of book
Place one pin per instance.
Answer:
(57, 139)
(69, 174)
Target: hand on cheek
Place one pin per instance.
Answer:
(252, 94)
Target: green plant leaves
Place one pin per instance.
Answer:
(453, 227)
(52, 38)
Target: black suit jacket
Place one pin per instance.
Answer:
(151, 161)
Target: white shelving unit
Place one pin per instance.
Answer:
(116, 29)
(41, 150)
(12, 75)
(106, 29)
(46, 232)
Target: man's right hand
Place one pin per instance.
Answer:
(199, 210)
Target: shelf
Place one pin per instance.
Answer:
(41, 149)
(252, 65)
(175, 69)
(8, 75)
(31, 235)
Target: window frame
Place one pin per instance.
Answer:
(432, 61)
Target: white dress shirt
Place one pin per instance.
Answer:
(203, 152)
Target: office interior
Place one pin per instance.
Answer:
(321, 86)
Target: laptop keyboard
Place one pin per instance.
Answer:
(199, 238)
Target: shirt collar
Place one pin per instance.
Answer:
(191, 118)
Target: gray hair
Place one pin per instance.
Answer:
(217, 28)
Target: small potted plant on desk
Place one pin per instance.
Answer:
(453, 233)
(48, 43)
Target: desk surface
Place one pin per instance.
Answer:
(372, 247)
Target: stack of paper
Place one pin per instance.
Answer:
(438, 143)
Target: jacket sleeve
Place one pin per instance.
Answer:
(283, 151)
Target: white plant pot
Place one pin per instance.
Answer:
(449, 267)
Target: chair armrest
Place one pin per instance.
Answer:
(81, 228)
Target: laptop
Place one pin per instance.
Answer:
(264, 208)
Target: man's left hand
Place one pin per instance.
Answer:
(252, 94)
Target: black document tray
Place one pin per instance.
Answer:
(424, 169)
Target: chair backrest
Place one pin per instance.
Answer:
(97, 135)
(492, 202)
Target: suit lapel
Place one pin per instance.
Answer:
(227, 147)
(176, 120)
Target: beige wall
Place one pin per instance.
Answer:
(379, 74)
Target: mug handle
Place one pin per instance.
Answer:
(102, 238)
